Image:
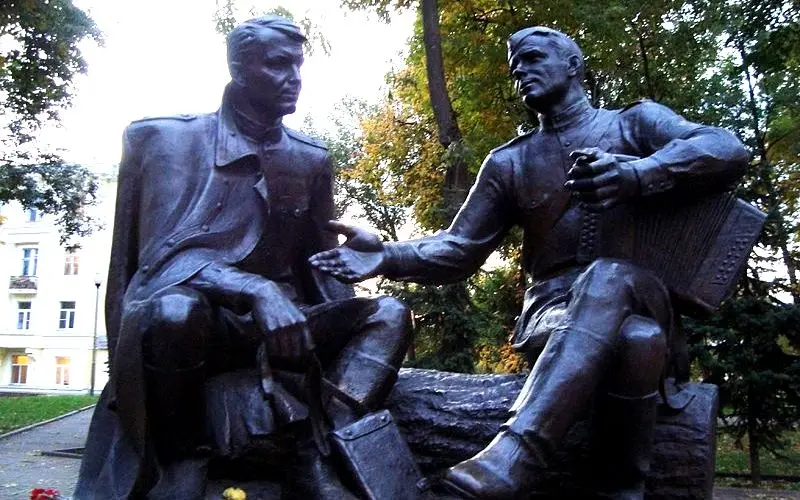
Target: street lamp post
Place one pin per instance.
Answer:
(97, 282)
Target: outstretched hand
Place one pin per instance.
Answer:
(360, 257)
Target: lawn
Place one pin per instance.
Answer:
(731, 458)
(19, 411)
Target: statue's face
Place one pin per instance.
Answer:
(269, 76)
(541, 73)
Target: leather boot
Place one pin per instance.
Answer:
(623, 445)
(175, 410)
(357, 384)
(314, 477)
(562, 381)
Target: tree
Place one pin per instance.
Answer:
(229, 13)
(39, 59)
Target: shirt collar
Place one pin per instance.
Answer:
(232, 143)
(573, 115)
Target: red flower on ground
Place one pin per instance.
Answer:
(45, 494)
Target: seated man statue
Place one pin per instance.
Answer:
(598, 327)
(216, 217)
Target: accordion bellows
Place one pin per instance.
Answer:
(697, 247)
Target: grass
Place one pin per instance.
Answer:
(19, 411)
(734, 459)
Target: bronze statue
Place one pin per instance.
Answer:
(216, 217)
(595, 326)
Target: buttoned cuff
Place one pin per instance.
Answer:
(653, 178)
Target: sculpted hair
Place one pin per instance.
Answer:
(565, 45)
(243, 40)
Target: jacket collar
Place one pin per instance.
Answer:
(573, 115)
(232, 144)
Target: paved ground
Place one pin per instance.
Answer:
(22, 467)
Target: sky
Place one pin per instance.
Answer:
(163, 57)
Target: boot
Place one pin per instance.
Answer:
(175, 410)
(499, 472)
(314, 477)
(623, 445)
(355, 385)
(563, 379)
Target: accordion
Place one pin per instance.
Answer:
(697, 246)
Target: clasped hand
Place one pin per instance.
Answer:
(360, 257)
(599, 180)
(282, 323)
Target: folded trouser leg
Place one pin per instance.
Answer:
(175, 351)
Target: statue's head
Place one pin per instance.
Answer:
(545, 64)
(264, 59)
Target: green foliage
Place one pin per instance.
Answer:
(732, 456)
(230, 13)
(497, 300)
(16, 412)
(740, 349)
(445, 325)
(38, 60)
(41, 58)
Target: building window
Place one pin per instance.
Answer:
(71, 263)
(19, 369)
(30, 261)
(23, 315)
(62, 370)
(66, 317)
(33, 215)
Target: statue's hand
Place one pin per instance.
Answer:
(599, 180)
(360, 257)
(279, 319)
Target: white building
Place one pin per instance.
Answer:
(48, 301)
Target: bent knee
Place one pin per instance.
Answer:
(179, 307)
(394, 310)
(178, 327)
(641, 335)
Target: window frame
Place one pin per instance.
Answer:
(71, 264)
(66, 315)
(29, 253)
(24, 315)
(19, 371)
(62, 370)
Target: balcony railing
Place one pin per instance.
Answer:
(22, 284)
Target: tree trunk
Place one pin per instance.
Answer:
(448, 417)
(753, 450)
(457, 179)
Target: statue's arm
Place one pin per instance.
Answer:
(682, 156)
(477, 229)
(448, 256)
(125, 237)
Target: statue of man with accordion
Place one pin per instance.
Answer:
(604, 198)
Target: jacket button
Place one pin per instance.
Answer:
(145, 269)
(219, 204)
(297, 212)
(170, 242)
(205, 228)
